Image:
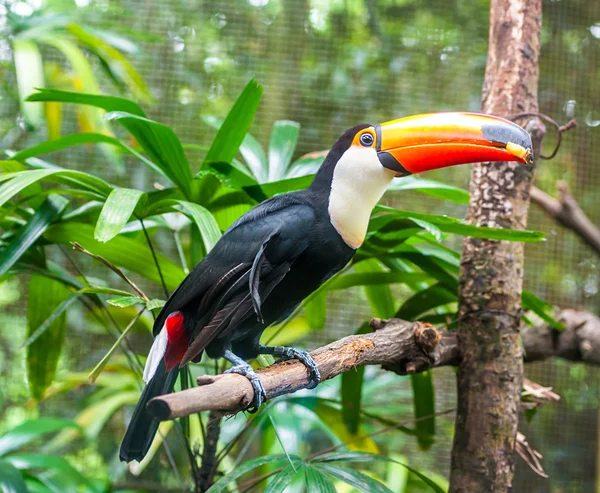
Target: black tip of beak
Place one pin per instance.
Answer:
(507, 132)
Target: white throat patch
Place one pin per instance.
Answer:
(359, 181)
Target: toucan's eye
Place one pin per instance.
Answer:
(366, 139)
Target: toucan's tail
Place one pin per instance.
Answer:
(143, 426)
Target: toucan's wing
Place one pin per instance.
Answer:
(242, 301)
(268, 237)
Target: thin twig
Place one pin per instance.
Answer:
(396, 426)
(559, 128)
(567, 212)
(162, 279)
(249, 422)
(102, 363)
(529, 455)
(132, 358)
(114, 268)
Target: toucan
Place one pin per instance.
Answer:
(283, 249)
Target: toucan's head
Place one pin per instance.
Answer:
(366, 157)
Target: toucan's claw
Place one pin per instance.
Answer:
(243, 368)
(260, 396)
(287, 353)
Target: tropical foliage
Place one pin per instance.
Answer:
(46, 208)
(59, 27)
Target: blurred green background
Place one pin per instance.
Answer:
(329, 65)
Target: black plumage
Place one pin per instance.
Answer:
(259, 271)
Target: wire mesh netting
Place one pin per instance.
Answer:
(332, 64)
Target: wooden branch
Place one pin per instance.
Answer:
(579, 341)
(567, 212)
(398, 346)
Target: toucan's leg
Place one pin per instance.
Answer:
(243, 368)
(286, 353)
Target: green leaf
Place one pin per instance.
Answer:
(307, 164)
(430, 228)
(431, 266)
(114, 59)
(276, 460)
(33, 461)
(30, 75)
(456, 226)
(126, 301)
(354, 478)
(11, 480)
(232, 131)
(28, 234)
(278, 187)
(106, 358)
(58, 312)
(541, 308)
(253, 153)
(159, 141)
(432, 188)
(373, 278)
(352, 457)
(425, 300)
(333, 420)
(102, 290)
(315, 310)
(424, 405)
(93, 418)
(380, 296)
(366, 457)
(28, 431)
(233, 177)
(282, 144)
(161, 144)
(16, 182)
(107, 103)
(45, 295)
(78, 61)
(205, 222)
(429, 482)
(316, 481)
(282, 479)
(352, 384)
(115, 214)
(118, 251)
(229, 200)
(82, 138)
(154, 304)
(255, 158)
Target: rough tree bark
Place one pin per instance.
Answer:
(490, 375)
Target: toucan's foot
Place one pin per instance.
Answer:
(243, 368)
(287, 353)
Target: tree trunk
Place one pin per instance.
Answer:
(491, 372)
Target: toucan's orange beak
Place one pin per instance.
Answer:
(437, 140)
